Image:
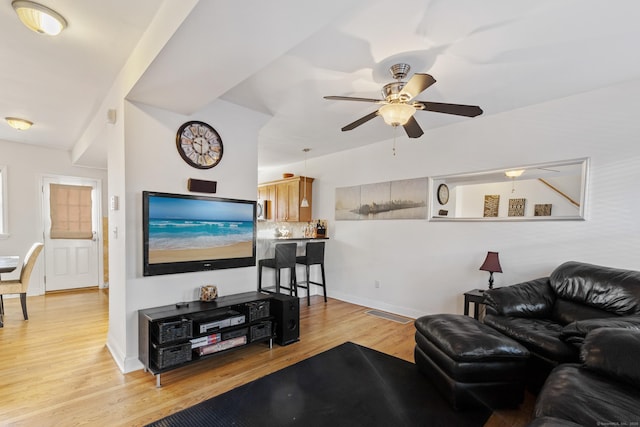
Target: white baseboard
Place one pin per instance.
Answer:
(378, 305)
(125, 364)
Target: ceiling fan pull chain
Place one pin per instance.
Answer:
(395, 134)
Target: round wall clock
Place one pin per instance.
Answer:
(199, 145)
(443, 194)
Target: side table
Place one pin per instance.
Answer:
(475, 296)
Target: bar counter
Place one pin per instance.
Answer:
(265, 246)
(294, 238)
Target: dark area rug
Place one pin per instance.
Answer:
(348, 385)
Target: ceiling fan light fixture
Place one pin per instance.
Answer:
(39, 18)
(396, 114)
(18, 123)
(514, 173)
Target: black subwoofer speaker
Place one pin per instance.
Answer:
(286, 310)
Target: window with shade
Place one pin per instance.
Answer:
(70, 207)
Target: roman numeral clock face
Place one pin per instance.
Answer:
(199, 145)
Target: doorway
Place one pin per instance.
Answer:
(71, 212)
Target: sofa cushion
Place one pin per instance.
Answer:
(575, 332)
(587, 398)
(613, 352)
(540, 336)
(534, 298)
(610, 289)
(565, 311)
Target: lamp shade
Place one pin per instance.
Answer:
(396, 114)
(491, 263)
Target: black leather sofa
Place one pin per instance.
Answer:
(551, 316)
(603, 391)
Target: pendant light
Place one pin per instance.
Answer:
(305, 202)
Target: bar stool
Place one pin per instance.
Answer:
(285, 257)
(314, 256)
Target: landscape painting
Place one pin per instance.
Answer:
(402, 199)
(347, 203)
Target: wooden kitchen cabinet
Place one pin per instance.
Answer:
(268, 194)
(284, 198)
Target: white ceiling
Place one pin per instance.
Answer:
(59, 82)
(281, 57)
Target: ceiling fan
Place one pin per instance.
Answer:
(399, 105)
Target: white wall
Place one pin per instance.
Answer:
(470, 198)
(169, 17)
(26, 165)
(424, 267)
(153, 163)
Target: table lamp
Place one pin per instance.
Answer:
(492, 265)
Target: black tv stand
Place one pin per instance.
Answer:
(176, 335)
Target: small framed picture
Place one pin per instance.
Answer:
(491, 204)
(542, 210)
(516, 207)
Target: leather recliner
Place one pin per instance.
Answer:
(551, 316)
(604, 390)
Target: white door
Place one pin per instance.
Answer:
(69, 262)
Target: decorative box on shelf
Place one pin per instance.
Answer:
(171, 355)
(261, 330)
(166, 332)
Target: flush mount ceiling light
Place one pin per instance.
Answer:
(39, 18)
(18, 123)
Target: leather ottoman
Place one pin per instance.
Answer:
(470, 363)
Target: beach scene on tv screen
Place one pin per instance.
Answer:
(198, 230)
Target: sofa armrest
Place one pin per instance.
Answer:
(575, 332)
(534, 298)
(613, 352)
(489, 309)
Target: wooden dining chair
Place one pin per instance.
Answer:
(19, 286)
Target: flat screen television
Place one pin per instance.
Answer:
(183, 233)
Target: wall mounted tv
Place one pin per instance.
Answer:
(183, 233)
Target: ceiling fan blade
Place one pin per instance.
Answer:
(412, 128)
(455, 109)
(360, 121)
(417, 84)
(351, 98)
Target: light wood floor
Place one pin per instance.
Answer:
(55, 369)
